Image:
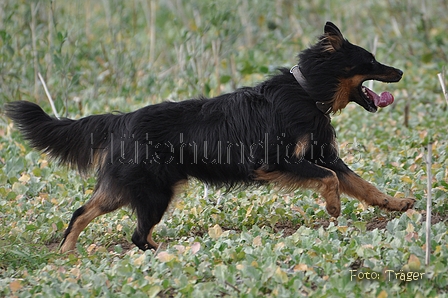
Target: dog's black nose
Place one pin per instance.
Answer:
(400, 73)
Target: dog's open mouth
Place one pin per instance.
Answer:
(373, 100)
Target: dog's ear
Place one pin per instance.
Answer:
(333, 36)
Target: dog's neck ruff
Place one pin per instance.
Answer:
(324, 107)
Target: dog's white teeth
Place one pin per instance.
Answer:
(364, 90)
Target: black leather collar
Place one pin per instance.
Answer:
(323, 106)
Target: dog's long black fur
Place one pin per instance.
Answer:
(274, 132)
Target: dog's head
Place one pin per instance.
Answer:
(335, 70)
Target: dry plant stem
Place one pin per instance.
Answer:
(428, 205)
(48, 95)
(406, 114)
(34, 8)
(216, 45)
(441, 77)
(150, 16)
(88, 17)
(374, 47)
(152, 31)
(48, 55)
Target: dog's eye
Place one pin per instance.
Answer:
(372, 61)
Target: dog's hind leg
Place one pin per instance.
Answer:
(150, 207)
(101, 202)
(146, 222)
(150, 203)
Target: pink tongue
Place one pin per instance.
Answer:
(382, 100)
(385, 99)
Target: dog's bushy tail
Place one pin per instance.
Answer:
(69, 141)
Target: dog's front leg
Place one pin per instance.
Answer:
(354, 186)
(307, 175)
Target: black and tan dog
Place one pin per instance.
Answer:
(276, 132)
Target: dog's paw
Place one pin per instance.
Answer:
(399, 204)
(334, 210)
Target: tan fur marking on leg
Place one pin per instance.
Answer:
(96, 206)
(92, 211)
(356, 187)
(329, 189)
(179, 186)
(283, 180)
(328, 186)
(302, 146)
(150, 240)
